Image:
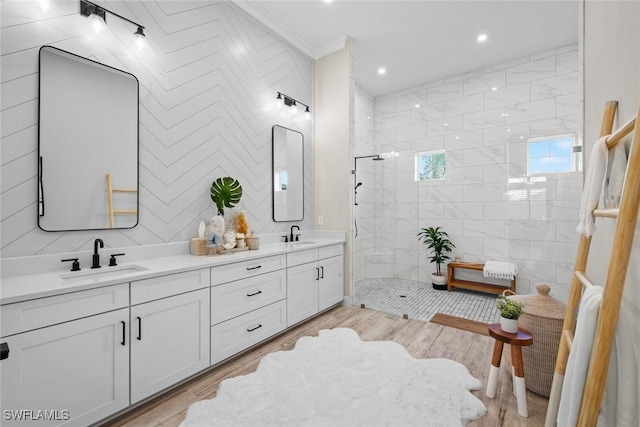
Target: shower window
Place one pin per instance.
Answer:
(431, 165)
(551, 154)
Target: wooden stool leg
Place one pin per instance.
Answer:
(521, 390)
(492, 382)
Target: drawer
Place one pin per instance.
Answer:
(242, 296)
(233, 336)
(302, 257)
(329, 251)
(166, 286)
(242, 270)
(38, 313)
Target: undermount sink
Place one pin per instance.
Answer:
(102, 272)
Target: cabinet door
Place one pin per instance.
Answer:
(79, 369)
(302, 292)
(169, 342)
(331, 284)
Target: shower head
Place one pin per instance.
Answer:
(377, 158)
(358, 185)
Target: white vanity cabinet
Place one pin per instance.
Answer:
(315, 281)
(78, 369)
(247, 304)
(169, 330)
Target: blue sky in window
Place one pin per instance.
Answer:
(551, 155)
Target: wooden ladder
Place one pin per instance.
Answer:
(111, 211)
(627, 216)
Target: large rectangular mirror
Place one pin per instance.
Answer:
(288, 174)
(87, 144)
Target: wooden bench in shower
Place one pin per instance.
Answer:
(452, 282)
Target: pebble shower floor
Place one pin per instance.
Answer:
(420, 301)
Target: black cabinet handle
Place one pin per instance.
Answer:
(254, 268)
(317, 273)
(253, 329)
(322, 274)
(4, 351)
(254, 294)
(139, 328)
(124, 332)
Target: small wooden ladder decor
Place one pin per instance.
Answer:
(626, 218)
(111, 211)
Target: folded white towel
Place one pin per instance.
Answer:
(578, 362)
(500, 270)
(593, 182)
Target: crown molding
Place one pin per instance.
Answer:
(331, 47)
(256, 11)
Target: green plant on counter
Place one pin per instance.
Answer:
(225, 193)
(509, 308)
(439, 243)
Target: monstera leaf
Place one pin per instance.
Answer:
(225, 193)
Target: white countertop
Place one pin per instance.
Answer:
(23, 288)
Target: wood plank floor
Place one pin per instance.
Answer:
(422, 340)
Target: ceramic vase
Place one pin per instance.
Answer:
(509, 325)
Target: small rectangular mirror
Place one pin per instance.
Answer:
(87, 144)
(288, 174)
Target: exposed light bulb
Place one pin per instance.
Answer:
(307, 114)
(279, 101)
(294, 108)
(97, 23)
(140, 39)
(482, 38)
(381, 71)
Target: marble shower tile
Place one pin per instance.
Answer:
(554, 52)
(507, 96)
(496, 173)
(483, 192)
(466, 175)
(464, 105)
(409, 132)
(563, 84)
(566, 231)
(530, 71)
(444, 126)
(531, 230)
(484, 82)
(553, 251)
(555, 210)
(410, 100)
(569, 188)
(464, 140)
(568, 104)
(484, 155)
(385, 136)
(506, 64)
(537, 271)
(528, 111)
(445, 193)
(463, 210)
(484, 119)
(484, 228)
(428, 144)
(568, 62)
(507, 210)
(454, 158)
(467, 247)
(382, 108)
(506, 248)
(427, 112)
(431, 210)
(506, 134)
(445, 92)
(396, 119)
(556, 126)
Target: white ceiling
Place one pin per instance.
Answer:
(419, 41)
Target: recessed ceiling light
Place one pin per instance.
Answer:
(381, 70)
(417, 105)
(505, 115)
(457, 137)
(508, 130)
(327, 1)
(368, 117)
(482, 38)
(495, 88)
(446, 124)
(521, 137)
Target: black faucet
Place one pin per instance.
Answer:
(291, 237)
(96, 256)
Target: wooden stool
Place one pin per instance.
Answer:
(516, 341)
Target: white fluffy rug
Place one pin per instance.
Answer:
(336, 379)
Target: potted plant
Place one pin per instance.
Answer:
(510, 312)
(438, 242)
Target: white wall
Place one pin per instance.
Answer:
(487, 203)
(205, 100)
(612, 72)
(332, 105)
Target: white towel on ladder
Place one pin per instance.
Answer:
(593, 183)
(578, 362)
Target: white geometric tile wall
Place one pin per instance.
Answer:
(487, 204)
(205, 112)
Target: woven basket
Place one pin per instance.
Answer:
(543, 317)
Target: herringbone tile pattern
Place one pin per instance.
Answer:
(205, 112)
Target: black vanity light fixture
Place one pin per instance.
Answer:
(283, 99)
(98, 17)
